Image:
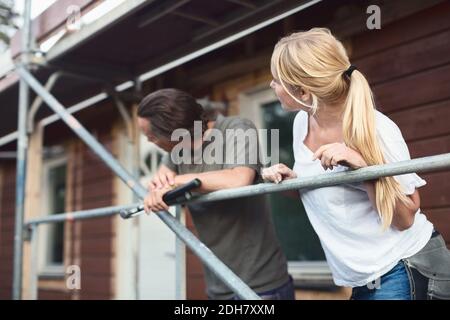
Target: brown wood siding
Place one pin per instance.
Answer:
(97, 191)
(96, 234)
(7, 209)
(91, 240)
(408, 66)
(93, 188)
(49, 294)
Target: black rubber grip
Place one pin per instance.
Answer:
(175, 196)
(182, 193)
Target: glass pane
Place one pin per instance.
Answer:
(57, 198)
(148, 159)
(297, 237)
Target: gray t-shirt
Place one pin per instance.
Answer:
(239, 231)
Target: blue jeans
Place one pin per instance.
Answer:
(285, 292)
(394, 285)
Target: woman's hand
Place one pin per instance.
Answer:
(334, 154)
(277, 173)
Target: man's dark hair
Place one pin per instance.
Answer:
(170, 109)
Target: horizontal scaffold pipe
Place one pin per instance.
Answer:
(425, 164)
(80, 215)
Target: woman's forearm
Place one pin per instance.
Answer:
(404, 213)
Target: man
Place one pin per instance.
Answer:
(239, 231)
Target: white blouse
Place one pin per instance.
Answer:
(358, 251)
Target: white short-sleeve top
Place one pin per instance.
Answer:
(357, 250)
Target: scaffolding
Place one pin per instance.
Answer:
(27, 81)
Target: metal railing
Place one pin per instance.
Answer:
(420, 165)
(27, 80)
(208, 258)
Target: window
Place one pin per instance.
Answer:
(52, 235)
(300, 243)
(150, 157)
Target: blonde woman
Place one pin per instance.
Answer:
(375, 238)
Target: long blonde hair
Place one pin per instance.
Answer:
(316, 60)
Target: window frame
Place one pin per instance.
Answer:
(45, 267)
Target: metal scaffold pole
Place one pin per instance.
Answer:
(202, 251)
(22, 146)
